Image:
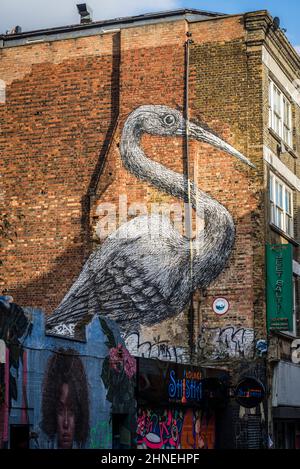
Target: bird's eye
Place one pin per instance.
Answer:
(169, 119)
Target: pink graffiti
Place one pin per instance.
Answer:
(158, 431)
(120, 358)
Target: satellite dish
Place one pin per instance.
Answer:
(276, 23)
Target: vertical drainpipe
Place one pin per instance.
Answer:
(6, 399)
(188, 206)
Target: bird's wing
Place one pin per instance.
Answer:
(127, 292)
(117, 283)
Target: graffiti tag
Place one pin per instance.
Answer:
(160, 349)
(64, 329)
(229, 342)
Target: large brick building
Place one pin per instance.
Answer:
(68, 94)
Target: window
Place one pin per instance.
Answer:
(280, 114)
(281, 205)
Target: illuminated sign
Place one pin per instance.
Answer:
(186, 388)
(250, 392)
(178, 384)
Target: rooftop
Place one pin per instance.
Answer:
(101, 27)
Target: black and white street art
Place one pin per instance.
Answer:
(160, 349)
(228, 342)
(146, 271)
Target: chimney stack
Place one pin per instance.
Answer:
(85, 13)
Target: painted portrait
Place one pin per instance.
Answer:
(65, 401)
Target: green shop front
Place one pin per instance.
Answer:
(284, 348)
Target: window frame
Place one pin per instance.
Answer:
(281, 205)
(280, 113)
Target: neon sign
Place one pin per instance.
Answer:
(186, 388)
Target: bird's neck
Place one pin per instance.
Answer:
(212, 245)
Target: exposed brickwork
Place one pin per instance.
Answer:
(60, 130)
(56, 120)
(227, 98)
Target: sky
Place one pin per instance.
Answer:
(38, 14)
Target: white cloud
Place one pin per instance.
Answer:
(39, 14)
(297, 49)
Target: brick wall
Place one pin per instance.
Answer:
(60, 110)
(59, 139)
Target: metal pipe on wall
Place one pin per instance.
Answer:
(188, 206)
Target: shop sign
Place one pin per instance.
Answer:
(170, 383)
(295, 347)
(186, 388)
(250, 392)
(279, 286)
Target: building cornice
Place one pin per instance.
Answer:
(259, 26)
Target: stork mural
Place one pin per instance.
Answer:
(137, 278)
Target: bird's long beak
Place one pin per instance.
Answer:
(197, 132)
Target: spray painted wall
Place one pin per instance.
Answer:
(67, 390)
(175, 429)
(146, 270)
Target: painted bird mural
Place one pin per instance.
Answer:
(146, 271)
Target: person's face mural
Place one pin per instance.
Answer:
(65, 419)
(65, 402)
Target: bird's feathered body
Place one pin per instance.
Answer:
(146, 271)
(121, 279)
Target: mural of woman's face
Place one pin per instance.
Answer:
(65, 419)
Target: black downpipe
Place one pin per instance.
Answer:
(188, 206)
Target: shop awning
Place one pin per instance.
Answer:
(286, 385)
